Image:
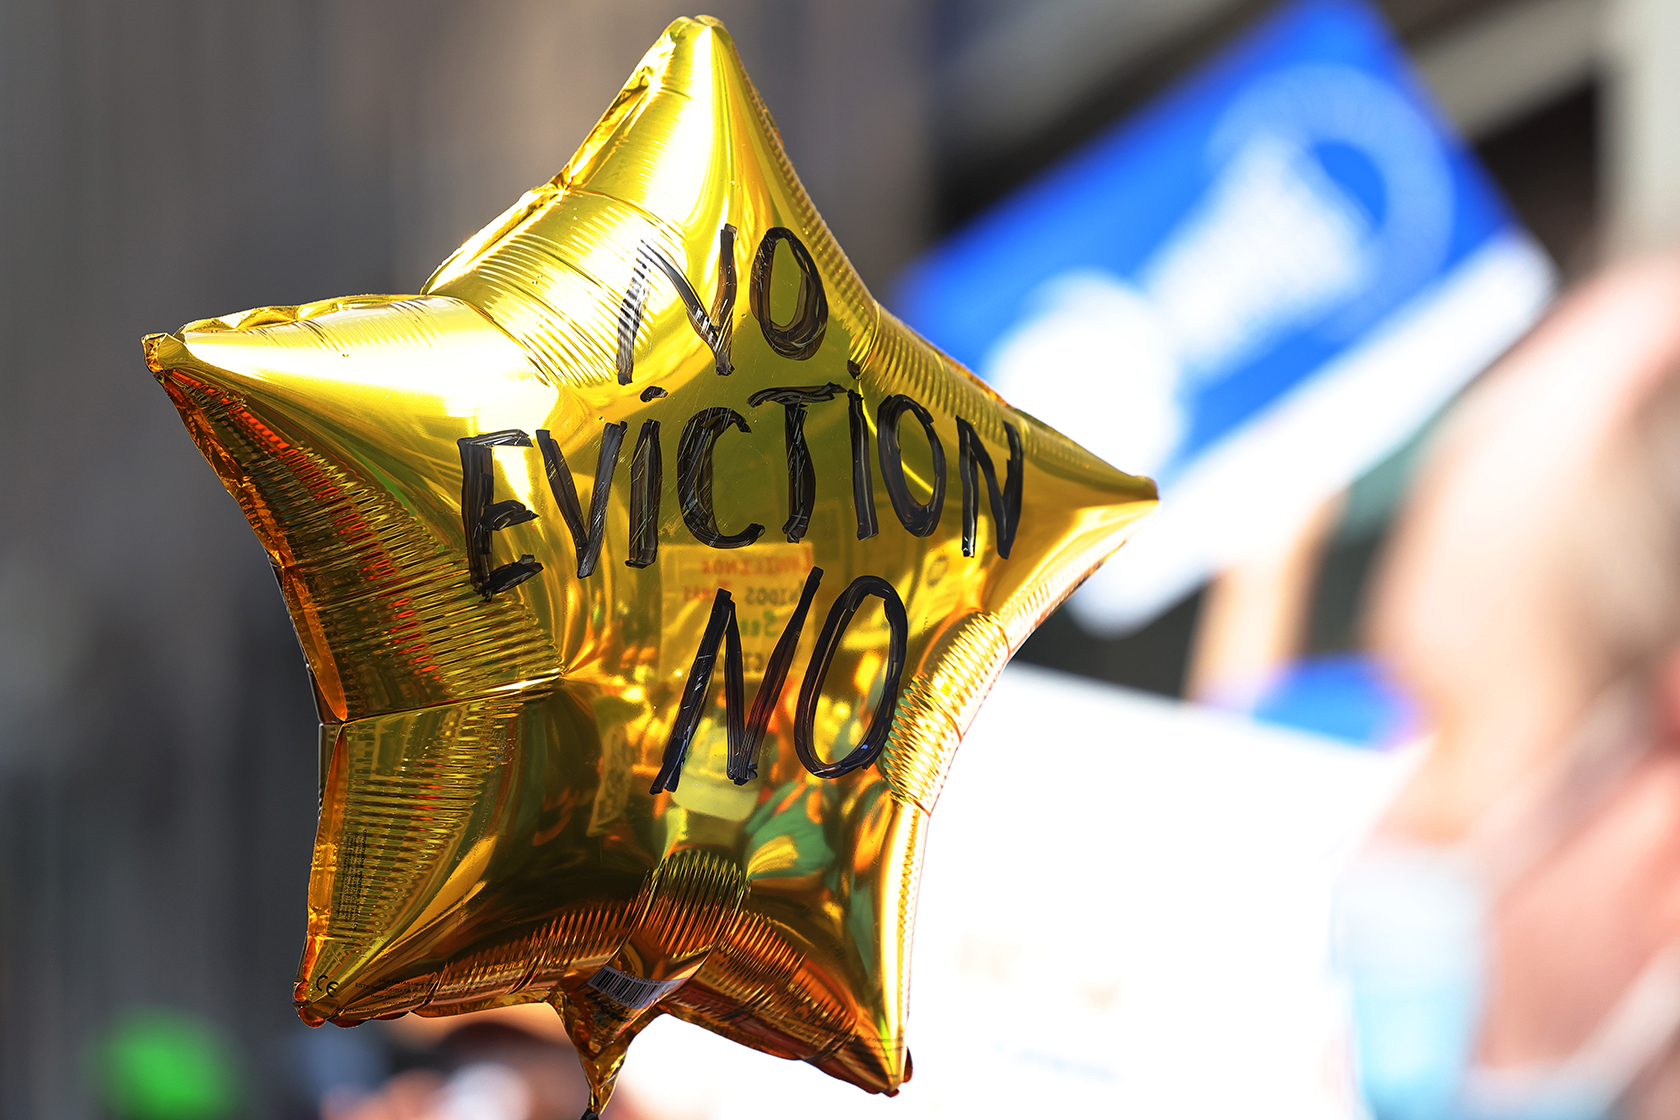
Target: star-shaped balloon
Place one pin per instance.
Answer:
(649, 574)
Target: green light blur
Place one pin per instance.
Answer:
(165, 1065)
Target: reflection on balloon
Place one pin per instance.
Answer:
(518, 519)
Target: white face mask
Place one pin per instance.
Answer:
(1590, 1082)
(1411, 933)
(1412, 930)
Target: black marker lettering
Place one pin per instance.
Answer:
(646, 482)
(803, 334)
(1006, 505)
(715, 329)
(585, 539)
(720, 626)
(482, 515)
(920, 519)
(743, 763)
(652, 392)
(863, 487)
(802, 475)
(694, 477)
(745, 735)
(630, 312)
(834, 626)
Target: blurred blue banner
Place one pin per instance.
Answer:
(1252, 291)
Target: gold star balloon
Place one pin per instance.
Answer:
(649, 573)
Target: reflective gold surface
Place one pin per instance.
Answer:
(493, 733)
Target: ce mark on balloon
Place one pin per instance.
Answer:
(799, 339)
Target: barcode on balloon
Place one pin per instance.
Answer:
(631, 991)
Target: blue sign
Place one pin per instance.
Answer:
(1252, 291)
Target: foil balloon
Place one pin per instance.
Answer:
(649, 574)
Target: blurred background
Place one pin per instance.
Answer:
(175, 160)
